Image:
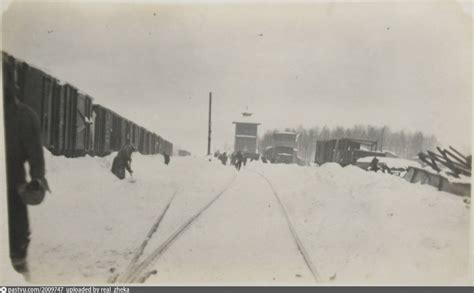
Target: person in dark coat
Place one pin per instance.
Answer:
(123, 161)
(238, 160)
(224, 158)
(167, 158)
(374, 165)
(22, 144)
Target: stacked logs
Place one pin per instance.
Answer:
(451, 161)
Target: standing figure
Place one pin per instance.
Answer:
(374, 165)
(123, 161)
(167, 158)
(224, 159)
(238, 160)
(22, 144)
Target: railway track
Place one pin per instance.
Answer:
(139, 272)
(296, 238)
(139, 251)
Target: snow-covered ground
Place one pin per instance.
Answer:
(356, 227)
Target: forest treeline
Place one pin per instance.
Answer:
(404, 143)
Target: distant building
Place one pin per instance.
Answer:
(246, 134)
(183, 153)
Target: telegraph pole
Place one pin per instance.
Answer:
(381, 145)
(209, 132)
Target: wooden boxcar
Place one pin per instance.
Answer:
(71, 124)
(102, 130)
(77, 115)
(166, 147)
(83, 110)
(63, 113)
(344, 151)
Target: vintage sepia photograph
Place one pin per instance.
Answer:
(235, 143)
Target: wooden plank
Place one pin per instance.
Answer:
(458, 153)
(461, 161)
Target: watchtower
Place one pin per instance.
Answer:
(246, 134)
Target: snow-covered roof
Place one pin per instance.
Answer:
(392, 162)
(390, 152)
(246, 119)
(285, 154)
(243, 135)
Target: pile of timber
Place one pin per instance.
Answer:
(448, 170)
(452, 160)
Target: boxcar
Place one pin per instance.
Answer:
(116, 134)
(166, 147)
(102, 130)
(76, 121)
(147, 142)
(153, 144)
(71, 124)
(30, 83)
(345, 151)
(83, 124)
(141, 140)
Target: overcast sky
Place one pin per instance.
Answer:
(408, 66)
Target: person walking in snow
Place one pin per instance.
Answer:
(123, 161)
(224, 159)
(22, 144)
(238, 160)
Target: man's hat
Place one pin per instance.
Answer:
(32, 193)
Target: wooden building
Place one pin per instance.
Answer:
(246, 135)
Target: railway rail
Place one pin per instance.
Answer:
(139, 272)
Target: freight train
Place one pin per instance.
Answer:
(71, 124)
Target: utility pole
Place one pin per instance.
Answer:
(209, 133)
(381, 143)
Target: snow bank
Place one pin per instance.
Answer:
(373, 228)
(91, 223)
(358, 227)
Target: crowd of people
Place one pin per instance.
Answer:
(237, 159)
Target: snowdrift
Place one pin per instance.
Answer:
(91, 223)
(373, 228)
(358, 227)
